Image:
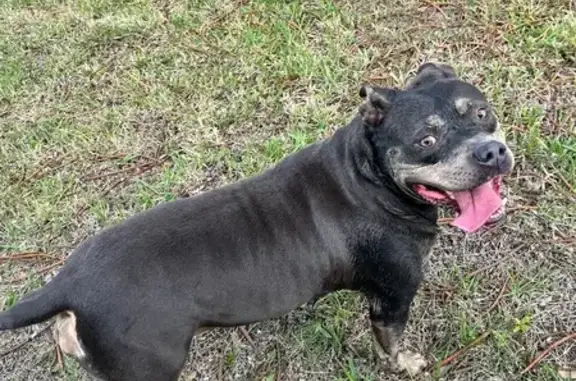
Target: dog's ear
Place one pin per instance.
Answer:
(429, 73)
(377, 101)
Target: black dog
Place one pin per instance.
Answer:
(355, 211)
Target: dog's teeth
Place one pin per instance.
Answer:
(497, 215)
(504, 200)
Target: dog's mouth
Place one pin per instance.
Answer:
(476, 207)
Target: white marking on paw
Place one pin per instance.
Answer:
(412, 363)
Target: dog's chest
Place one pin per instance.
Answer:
(382, 252)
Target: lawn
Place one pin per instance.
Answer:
(110, 107)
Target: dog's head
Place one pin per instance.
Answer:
(441, 143)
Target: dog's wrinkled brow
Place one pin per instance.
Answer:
(435, 121)
(462, 105)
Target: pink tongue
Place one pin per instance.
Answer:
(476, 206)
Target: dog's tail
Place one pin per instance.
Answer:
(38, 306)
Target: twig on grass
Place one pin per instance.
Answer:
(44, 170)
(555, 176)
(445, 220)
(563, 240)
(459, 352)
(247, 336)
(483, 268)
(436, 7)
(517, 128)
(28, 340)
(101, 158)
(224, 15)
(112, 173)
(103, 194)
(26, 255)
(546, 351)
(499, 297)
(39, 272)
(137, 169)
(566, 182)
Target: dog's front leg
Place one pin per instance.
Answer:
(388, 317)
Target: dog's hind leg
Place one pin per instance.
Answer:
(146, 368)
(144, 352)
(160, 357)
(158, 363)
(388, 317)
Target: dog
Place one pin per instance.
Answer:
(355, 211)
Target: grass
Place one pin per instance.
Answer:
(110, 107)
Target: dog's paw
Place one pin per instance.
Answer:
(410, 362)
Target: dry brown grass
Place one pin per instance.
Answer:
(110, 107)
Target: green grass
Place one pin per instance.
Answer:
(111, 107)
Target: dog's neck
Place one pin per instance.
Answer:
(368, 181)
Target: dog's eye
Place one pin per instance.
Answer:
(481, 113)
(428, 141)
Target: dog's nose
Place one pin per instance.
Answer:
(491, 154)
